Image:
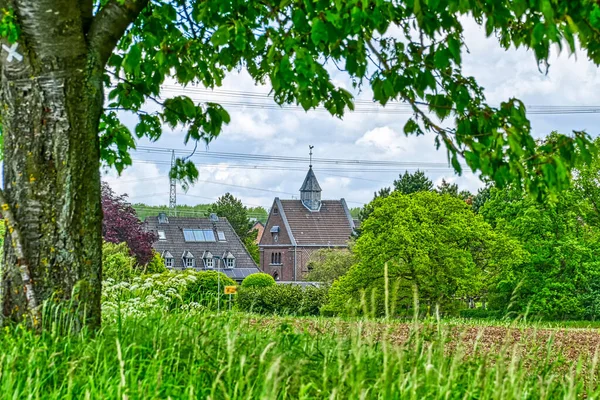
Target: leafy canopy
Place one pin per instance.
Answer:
(427, 241)
(327, 265)
(408, 51)
(560, 278)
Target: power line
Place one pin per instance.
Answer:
(293, 159)
(303, 169)
(390, 108)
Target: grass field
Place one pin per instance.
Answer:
(241, 356)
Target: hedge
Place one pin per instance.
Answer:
(282, 299)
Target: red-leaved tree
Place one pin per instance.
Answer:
(121, 224)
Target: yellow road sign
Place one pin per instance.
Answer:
(230, 289)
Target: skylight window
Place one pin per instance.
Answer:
(209, 236)
(161, 235)
(199, 235)
(221, 236)
(188, 235)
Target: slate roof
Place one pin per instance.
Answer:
(177, 246)
(330, 226)
(310, 183)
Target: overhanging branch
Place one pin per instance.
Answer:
(110, 24)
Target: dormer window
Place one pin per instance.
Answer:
(169, 261)
(229, 260)
(208, 258)
(188, 259)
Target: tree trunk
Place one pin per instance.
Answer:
(51, 104)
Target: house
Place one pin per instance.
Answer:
(297, 228)
(201, 244)
(260, 227)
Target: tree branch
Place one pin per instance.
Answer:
(22, 263)
(110, 24)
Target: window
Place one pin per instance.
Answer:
(275, 258)
(209, 236)
(199, 235)
(188, 235)
(221, 235)
(230, 262)
(276, 237)
(169, 262)
(161, 235)
(189, 262)
(209, 263)
(275, 211)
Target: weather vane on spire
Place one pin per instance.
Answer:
(310, 154)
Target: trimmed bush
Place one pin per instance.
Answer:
(258, 280)
(282, 299)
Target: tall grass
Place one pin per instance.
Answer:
(240, 356)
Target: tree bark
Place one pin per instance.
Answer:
(52, 100)
(51, 90)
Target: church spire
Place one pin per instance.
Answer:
(310, 192)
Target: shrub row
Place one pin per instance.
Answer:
(282, 299)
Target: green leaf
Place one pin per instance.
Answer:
(318, 32)
(221, 36)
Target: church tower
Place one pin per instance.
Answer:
(310, 192)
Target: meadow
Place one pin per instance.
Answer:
(197, 353)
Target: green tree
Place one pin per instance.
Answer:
(430, 242)
(57, 127)
(327, 265)
(369, 207)
(564, 248)
(412, 183)
(237, 214)
(479, 200)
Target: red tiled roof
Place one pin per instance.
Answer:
(328, 226)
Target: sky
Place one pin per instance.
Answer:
(572, 80)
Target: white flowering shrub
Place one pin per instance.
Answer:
(170, 291)
(151, 293)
